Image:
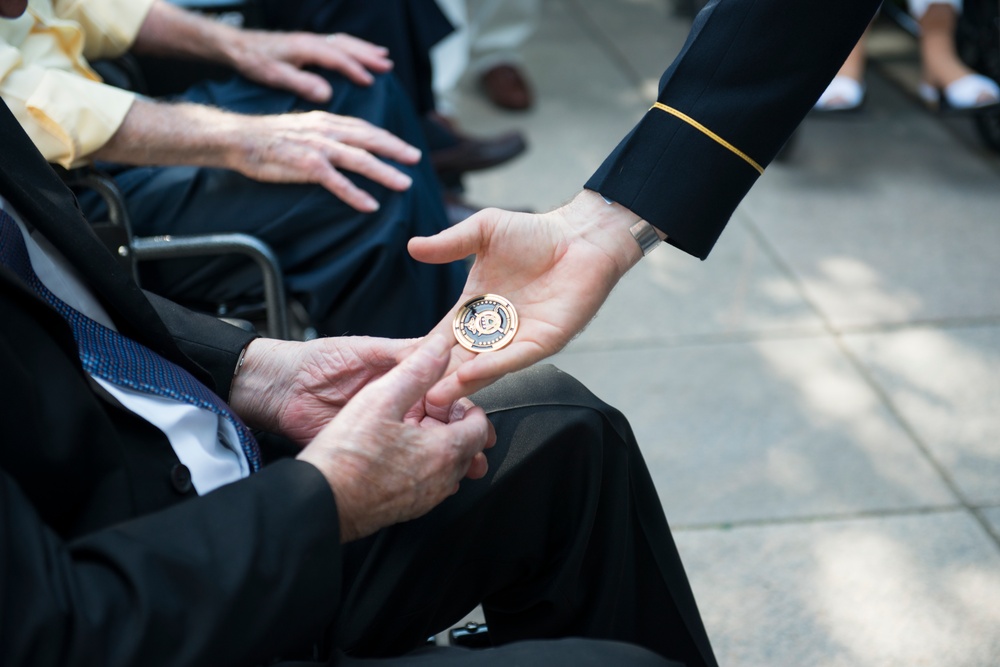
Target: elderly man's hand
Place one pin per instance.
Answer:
(295, 388)
(314, 147)
(386, 460)
(317, 147)
(556, 268)
(277, 59)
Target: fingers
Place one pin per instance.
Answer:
(373, 56)
(305, 84)
(435, 403)
(478, 467)
(362, 162)
(482, 370)
(354, 58)
(380, 142)
(347, 191)
(407, 383)
(452, 244)
(354, 152)
(470, 435)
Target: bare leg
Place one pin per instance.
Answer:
(940, 61)
(847, 90)
(854, 66)
(943, 70)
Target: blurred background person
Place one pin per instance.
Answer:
(946, 84)
(487, 45)
(410, 30)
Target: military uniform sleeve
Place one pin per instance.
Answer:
(746, 77)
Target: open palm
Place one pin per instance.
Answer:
(556, 270)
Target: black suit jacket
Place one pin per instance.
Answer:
(749, 72)
(103, 560)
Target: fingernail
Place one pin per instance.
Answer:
(457, 411)
(402, 181)
(413, 153)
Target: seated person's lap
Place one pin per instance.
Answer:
(350, 269)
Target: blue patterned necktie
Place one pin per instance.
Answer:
(107, 354)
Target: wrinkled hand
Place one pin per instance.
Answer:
(556, 268)
(315, 147)
(386, 460)
(277, 59)
(295, 388)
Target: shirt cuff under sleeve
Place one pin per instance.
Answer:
(678, 177)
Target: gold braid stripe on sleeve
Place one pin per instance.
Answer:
(712, 135)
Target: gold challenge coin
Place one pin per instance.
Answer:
(486, 322)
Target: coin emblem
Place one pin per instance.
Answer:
(486, 322)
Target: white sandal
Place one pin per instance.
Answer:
(843, 94)
(972, 91)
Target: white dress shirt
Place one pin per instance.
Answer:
(203, 441)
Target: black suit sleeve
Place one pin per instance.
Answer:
(749, 72)
(234, 577)
(212, 344)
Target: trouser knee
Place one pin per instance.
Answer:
(547, 388)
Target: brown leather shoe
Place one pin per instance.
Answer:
(473, 154)
(507, 88)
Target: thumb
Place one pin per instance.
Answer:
(454, 243)
(408, 382)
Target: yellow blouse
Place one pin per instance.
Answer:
(45, 78)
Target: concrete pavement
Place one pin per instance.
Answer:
(819, 402)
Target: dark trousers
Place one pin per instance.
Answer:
(349, 269)
(408, 28)
(564, 537)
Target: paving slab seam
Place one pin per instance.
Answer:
(821, 518)
(867, 377)
(992, 531)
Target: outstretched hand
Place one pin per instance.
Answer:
(556, 268)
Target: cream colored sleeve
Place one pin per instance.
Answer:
(67, 112)
(110, 26)
(66, 115)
